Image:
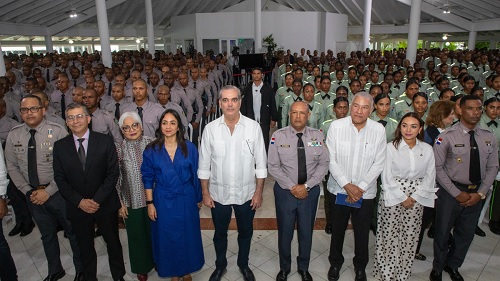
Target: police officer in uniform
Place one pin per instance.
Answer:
(28, 153)
(464, 147)
(298, 160)
(102, 121)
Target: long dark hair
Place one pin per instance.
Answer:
(398, 136)
(179, 136)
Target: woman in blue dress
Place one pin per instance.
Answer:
(172, 193)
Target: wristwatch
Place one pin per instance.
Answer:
(4, 197)
(307, 187)
(483, 196)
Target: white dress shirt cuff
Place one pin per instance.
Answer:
(393, 196)
(203, 175)
(261, 173)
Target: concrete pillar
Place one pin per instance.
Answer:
(2, 62)
(471, 45)
(149, 27)
(366, 24)
(415, 11)
(49, 47)
(258, 26)
(102, 22)
(164, 44)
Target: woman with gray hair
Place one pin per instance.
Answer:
(132, 195)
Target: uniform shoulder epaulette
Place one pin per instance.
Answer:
(16, 127)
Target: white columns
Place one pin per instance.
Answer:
(471, 45)
(102, 22)
(258, 26)
(49, 47)
(2, 62)
(149, 27)
(366, 24)
(411, 52)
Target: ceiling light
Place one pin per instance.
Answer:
(137, 40)
(70, 41)
(73, 14)
(445, 37)
(447, 11)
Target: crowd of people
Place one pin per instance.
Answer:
(152, 138)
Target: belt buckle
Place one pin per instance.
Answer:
(472, 186)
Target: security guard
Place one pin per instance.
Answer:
(28, 153)
(461, 148)
(298, 160)
(102, 121)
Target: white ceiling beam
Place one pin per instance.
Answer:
(39, 12)
(474, 7)
(397, 29)
(491, 6)
(68, 23)
(334, 7)
(8, 28)
(125, 17)
(113, 32)
(487, 25)
(438, 13)
(13, 9)
(57, 17)
(350, 12)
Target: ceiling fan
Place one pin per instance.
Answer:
(72, 13)
(446, 7)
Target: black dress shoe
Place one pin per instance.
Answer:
(435, 276)
(17, 229)
(305, 275)
(454, 274)
(328, 229)
(494, 227)
(479, 232)
(217, 274)
(360, 275)
(247, 274)
(430, 232)
(55, 277)
(334, 273)
(27, 229)
(282, 275)
(79, 277)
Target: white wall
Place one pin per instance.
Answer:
(182, 28)
(291, 30)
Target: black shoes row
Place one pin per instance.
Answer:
(438, 276)
(334, 274)
(22, 229)
(494, 227)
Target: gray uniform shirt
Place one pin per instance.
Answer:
(151, 113)
(452, 154)
(16, 154)
(103, 122)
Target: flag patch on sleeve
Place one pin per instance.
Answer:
(272, 140)
(439, 140)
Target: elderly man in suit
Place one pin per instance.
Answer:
(86, 171)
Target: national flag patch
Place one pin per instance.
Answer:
(272, 140)
(439, 140)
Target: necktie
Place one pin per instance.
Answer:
(325, 96)
(477, 69)
(492, 122)
(90, 124)
(32, 166)
(81, 152)
(311, 107)
(383, 122)
(340, 82)
(396, 86)
(110, 87)
(63, 107)
(217, 67)
(82, 70)
(139, 111)
(149, 82)
(117, 111)
(298, 99)
(194, 84)
(48, 75)
(301, 158)
(288, 90)
(475, 163)
(153, 90)
(74, 82)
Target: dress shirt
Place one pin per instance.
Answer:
(283, 158)
(232, 161)
(85, 142)
(355, 157)
(55, 100)
(257, 100)
(452, 154)
(409, 164)
(151, 113)
(104, 122)
(3, 175)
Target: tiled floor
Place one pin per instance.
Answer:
(482, 262)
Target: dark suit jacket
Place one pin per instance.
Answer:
(97, 181)
(268, 110)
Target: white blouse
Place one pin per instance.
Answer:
(409, 164)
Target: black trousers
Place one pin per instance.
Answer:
(108, 226)
(495, 204)
(19, 204)
(361, 219)
(265, 133)
(450, 214)
(290, 210)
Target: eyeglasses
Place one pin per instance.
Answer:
(77, 117)
(127, 128)
(33, 109)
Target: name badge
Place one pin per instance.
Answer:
(459, 145)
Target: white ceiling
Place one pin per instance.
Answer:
(29, 19)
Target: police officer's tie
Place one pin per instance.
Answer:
(301, 157)
(63, 107)
(32, 166)
(90, 123)
(48, 75)
(474, 166)
(383, 122)
(139, 111)
(110, 88)
(81, 152)
(117, 111)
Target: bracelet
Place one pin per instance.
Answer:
(149, 202)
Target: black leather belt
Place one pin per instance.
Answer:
(467, 187)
